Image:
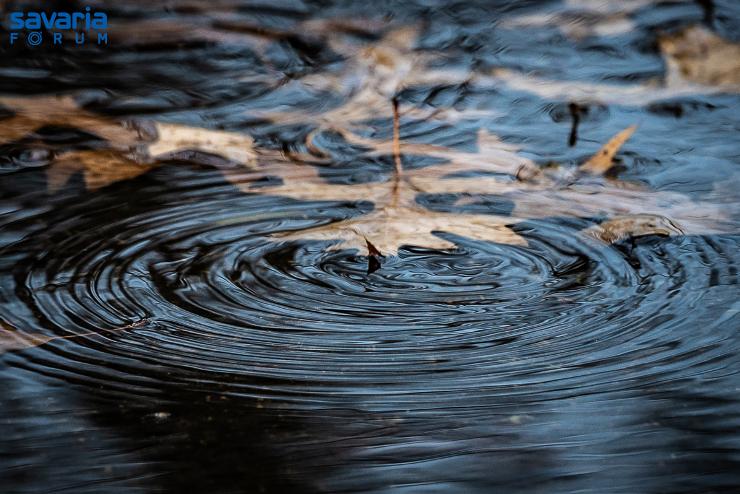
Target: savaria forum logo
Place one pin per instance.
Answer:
(58, 28)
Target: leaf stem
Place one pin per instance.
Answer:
(396, 148)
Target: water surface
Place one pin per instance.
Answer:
(254, 365)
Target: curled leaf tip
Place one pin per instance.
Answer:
(603, 160)
(371, 249)
(373, 258)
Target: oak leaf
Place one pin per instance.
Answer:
(107, 166)
(397, 218)
(29, 114)
(128, 149)
(103, 167)
(99, 168)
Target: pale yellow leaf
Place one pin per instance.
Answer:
(173, 138)
(603, 160)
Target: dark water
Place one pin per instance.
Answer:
(568, 365)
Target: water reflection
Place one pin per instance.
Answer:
(563, 364)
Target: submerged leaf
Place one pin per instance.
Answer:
(698, 55)
(12, 339)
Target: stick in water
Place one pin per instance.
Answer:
(397, 139)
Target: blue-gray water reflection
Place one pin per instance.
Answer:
(568, 365)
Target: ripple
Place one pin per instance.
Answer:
(189, 352)
(565, 316)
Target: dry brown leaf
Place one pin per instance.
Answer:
(12, 339)
(402, 222)
(603, 160)
(107, 166)
(621, 227)
(130, 149)
(174, 138)
(697, 61)
(99, 169)
(33, 113)
(698, 55)
(397, 219)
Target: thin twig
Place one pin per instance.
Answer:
(12, 339)
(397, 143)
(575, 113)
(133, 325)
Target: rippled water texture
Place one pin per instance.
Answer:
(156, 338)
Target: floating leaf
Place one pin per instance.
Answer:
(366, 81)
(99, 168)
(603, 160)
(397, 219)
(32, 113)
(406, 223)
(173, 139)
(621, 227)
(126, 150)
